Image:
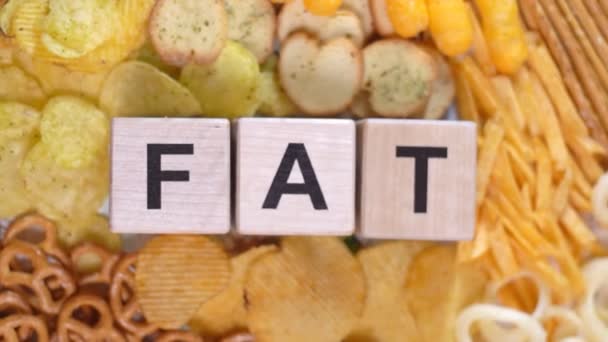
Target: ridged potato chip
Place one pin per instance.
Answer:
(7, 50)
(60, 193)
(225, 312)
(228, 87)
(59, 80)
(438, 288)
(16, 85)
(18, 128)
(386, 316)
(128, 36)
(74, 28)
(139, 89)
(313, 290)
(176, 274)
(74, 131)
(7, 12)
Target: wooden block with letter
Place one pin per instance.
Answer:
(417, 179)
(170, 175)
(295, 176)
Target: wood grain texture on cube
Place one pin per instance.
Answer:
(199, 205)
(330, 145)
(387, 190)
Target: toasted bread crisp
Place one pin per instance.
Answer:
(399, 77)
(187, 31)
(252, 23)
(321, 79)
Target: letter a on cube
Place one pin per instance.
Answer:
(295, 176)
(417, 179)
(170, 176)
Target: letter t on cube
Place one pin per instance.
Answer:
(170, 176)
(295, 176)
(417, 179)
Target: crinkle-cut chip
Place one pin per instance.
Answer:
(74, 130)
(17, 121)
(60, 193)
(385, 316)
(129, 35)
(7, 51)
(228, 87)
(74, 28)
(225, 312)
(437, 288)
(7, 13)
(176, 274)
(59, 80)
(93, 228)
(16, 85)
(139, 89)
(313, 290)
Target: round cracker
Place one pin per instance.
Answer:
(313, 290)
(176, 274)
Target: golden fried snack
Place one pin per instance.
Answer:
(179, 336)
(103, 270)
(123, 302)
(24, 228)
(239, 337)
(600, 17)
(87, 318)
(16, 328)
(43, 279)
(586, 111)
(11, 303)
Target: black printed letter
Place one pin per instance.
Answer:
(310, 187)
(156, 175)
(421, 157)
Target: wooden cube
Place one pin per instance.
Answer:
(295, 176)
(417, 179)
(170, 175)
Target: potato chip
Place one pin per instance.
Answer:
(18, 126)
(7, 12)
(225, 312)
(60, 193)
(313, 290)
(273, 100)
(59, 80)
(139, 89)
(74, 28)
(148, 54)
(228, 87)
(129, 36)
(176, 274)
(16, 85)
(74, 131)
(437, 289)
(93, 228)
(385, 316)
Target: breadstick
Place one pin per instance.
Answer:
(583, 69)
(587, 113)
(587, 22)
(604, 4)
(601, 18)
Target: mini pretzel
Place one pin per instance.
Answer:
(124, 305)
(11, 303)
(71, 327)
(30, 222)
(179, 336)
(15, 260)
(17, 328)
(239, 337)
(108, 260)
(51, 284)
